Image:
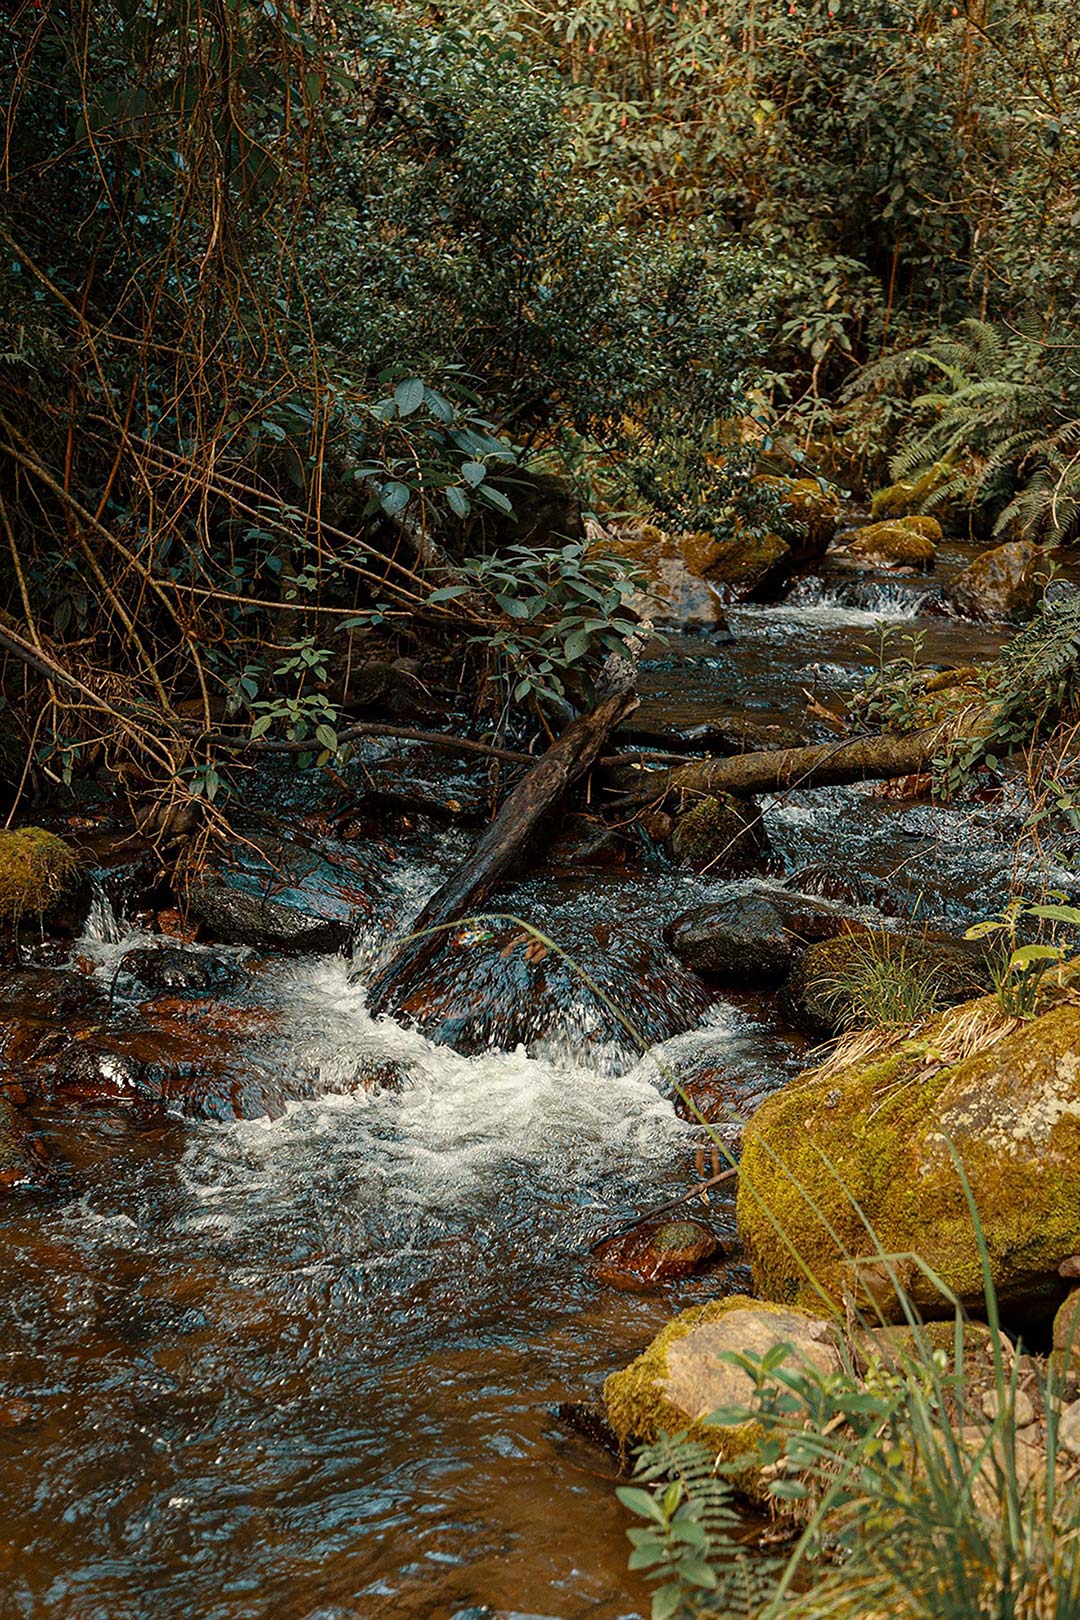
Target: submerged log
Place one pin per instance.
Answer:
(469, 885)
(864, 759)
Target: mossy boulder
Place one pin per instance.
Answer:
(869, 1148)
(1000, 585)
(722, 833)
(682, 1377)
(38, 873)
(903, 543)
(815, 996)
(810, 514)
(747, 565)
(906, 496)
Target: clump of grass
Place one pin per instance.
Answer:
(882, 986)
(37, 869)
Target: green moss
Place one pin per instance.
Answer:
(810, 513)
(747, 562)
(37, 870)
(867, 1150)
(909, 494)
(639, 1412)
(716, 828)
(902, 544)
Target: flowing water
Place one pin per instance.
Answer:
(306, 1365)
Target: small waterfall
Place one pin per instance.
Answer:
(102, 925)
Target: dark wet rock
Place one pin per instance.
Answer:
(654, 1253)
(814, 997)
(808, 919)
(740, 940)
(829, 884)
(395, 689)
(722, 833)
(497, 988)
(999, 585)
(279, 894)
(90, 1076)
(22, 1168)
(48, 992)
(547, 510)
(749, 566)
(170, 968)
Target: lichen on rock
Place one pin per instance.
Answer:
(683, 1375)
(37, 871)
(847, 1167)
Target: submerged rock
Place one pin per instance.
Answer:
(274, 893)
(999, 585)
(722, 833)
(682, 1377)
(497, 987)
(870, 1149)
(740, 940)
(169, 967)
(654, 1254)
(22, 1168)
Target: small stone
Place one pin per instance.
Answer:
(1067, 1330)
(657, 1254)
(167, 967)
(1069, 1430)
(1023, 1409)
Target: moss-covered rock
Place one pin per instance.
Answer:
(815, 997)
(38, 871)
(747, 565)
(810, 514)
(904, 543)
(869, 1149)
(682, 1377)
(999, 585)
(722, 833)
(908, 495)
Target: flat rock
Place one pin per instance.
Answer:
(739, 941)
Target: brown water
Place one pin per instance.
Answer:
(306, 1367)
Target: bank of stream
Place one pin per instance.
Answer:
(307, 1363)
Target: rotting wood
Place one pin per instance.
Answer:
(469, 885)
(861, 759)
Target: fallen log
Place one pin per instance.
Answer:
(469, 885)
(862, 759)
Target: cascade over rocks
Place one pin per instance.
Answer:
(871, 1143)
(495, 987)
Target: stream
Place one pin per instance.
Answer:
(306, 1364)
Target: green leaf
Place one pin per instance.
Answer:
(1028, 954)
(458, 502)
(328, 737)
(697, 1572)
(511, 605)
(788, 1490)
(643, 1503)
(394, 498)
(261, 725)
(577, 645)
(1067, 914)
(666, 1601)
(496, 498)
(474, 473)
(409, 396)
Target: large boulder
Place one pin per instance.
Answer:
(494, 987)
(999, 585)
(739, 940)
(809, 514)
(747, 566)
(721, 833)
(847, 1166)
(684, 1375)
(818, 995)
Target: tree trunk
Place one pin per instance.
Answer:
(865, 759)
(469, 885)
